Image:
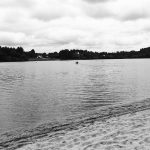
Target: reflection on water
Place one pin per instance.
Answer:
(35, 92)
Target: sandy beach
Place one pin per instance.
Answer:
(128, 128)
(127, 132)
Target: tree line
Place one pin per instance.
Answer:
(15, 54)
(18, 54)
(84, 54)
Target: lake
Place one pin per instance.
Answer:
(32, 93)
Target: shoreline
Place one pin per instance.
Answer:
(46, 132)
(127, 132)
(49, 59)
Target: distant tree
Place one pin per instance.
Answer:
(145, 52)
(44, 55)
(32, 54)
(12, 54)
(20, 50)
(54, 55)
(64, 54)
(18, 54)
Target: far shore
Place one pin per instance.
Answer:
(117, 127)
(49, 59)
(42, 59)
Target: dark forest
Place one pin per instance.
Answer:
(8, 54)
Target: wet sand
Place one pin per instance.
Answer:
(128, 132)
(125, 127)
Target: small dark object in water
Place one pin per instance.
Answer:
(77, 62)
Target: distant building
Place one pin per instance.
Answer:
(39, 56)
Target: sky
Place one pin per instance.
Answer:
(96, 25)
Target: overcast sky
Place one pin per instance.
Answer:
(98, 25)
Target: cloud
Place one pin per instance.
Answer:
(98, 12)
(128, 11)
(97, 1)
(12, 39)
(16, 3)
(89, 24)
(47, 15)
(119, 10)
(134, 16)
(54, 9)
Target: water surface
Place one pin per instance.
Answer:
(32, 93)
